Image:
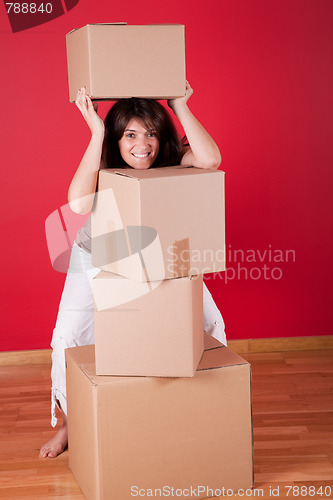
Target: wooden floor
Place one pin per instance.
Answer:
(292, 419)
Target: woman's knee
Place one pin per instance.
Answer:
(73, 328)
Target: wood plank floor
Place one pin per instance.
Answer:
(292, 422)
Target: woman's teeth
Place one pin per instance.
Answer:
(140, 155)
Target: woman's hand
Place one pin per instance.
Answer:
(181, 101)
(89, 112)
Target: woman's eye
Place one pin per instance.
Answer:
(130, 136)
(152, 134)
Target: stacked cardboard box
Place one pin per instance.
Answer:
(157, 333)
(175, 221)
(140, 436)
(143, 416)
(115, 60)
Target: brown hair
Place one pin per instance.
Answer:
(152, 115)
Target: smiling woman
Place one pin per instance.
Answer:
(201, 150)
(137, 133)
(138, 126)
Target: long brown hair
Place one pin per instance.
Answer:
(152, 115)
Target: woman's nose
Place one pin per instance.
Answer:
(142, 141)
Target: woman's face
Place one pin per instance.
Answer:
(138, 146)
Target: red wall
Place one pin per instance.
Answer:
(263, 76)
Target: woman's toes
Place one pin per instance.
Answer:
(44, 451)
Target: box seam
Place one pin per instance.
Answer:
(89, 58)
(98, 468)
(87, 374)
(252, 438)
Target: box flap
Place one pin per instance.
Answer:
(159, 172)
(123, 23)
(84, 356)
(119, 172)
(220, 357)
(120, 23)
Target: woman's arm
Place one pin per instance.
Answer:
(83, 186)
(203, 151)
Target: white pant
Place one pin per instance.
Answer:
(75, 321)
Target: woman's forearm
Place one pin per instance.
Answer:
(83, 186)
(204, 151)
(82, 189)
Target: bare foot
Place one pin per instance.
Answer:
(57, 444)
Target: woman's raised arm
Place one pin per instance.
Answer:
(203, 151)
(83, 185)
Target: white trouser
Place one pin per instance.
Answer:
(75, 321)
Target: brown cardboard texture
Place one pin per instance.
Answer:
(159, 223)
(148, 329)
(116, 60)
(144, 433)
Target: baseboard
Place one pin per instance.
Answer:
(318, 343)
(43, 356)
(33, 357)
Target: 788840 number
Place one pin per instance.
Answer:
(28, 8)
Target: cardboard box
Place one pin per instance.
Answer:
(148, 329)
(116, 60)
(159, 223)
(131, 433)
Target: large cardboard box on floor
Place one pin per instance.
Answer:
(159, 223)
(131, 434)
(116, 60)
(153, 329)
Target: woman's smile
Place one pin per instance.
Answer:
(142, 155)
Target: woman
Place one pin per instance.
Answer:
(137, 133)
